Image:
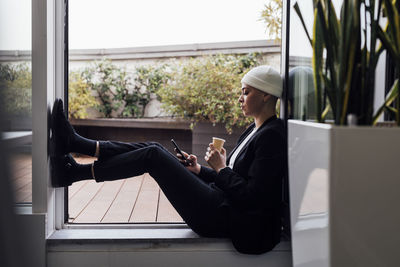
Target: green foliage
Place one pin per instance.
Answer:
(347, 72)
(16, 89)
(207, 89)
(271, 15)
(151, 77)
(148, 79)
(107, 80)
(121, 91)
(390, 38)
(8, 72)
(79, 96)
(202, 89)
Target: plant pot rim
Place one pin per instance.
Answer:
(154, 123)
(380, 126)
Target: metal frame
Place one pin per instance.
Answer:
(284, 109)
(285, 57)
(66, 80)
(61, 91)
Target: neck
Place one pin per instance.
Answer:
(259, 120)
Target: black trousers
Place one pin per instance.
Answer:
(201, 205)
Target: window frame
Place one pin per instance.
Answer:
(64, 219)
(50, 75)
(50, 239)
(57, 72)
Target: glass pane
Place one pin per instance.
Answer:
(16, 91)
(301, 86)
(112, 44)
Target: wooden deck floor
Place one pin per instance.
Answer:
(21, 172)
(134, 200)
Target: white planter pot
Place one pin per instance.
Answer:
(344, 195)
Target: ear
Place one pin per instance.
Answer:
(266, 97)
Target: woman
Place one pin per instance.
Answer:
(239, 197)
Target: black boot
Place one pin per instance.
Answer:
(61, 170)
(64, 138)
(63, 134)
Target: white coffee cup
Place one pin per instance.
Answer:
(218, 143)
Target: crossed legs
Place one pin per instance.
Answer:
(201, 205)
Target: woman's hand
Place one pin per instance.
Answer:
(191, 162)
(215, 158)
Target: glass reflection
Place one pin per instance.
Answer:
(16, 92)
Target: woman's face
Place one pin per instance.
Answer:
(251, 101)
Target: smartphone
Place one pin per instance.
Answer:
(186, 162)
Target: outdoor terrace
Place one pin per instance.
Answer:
(134, 200)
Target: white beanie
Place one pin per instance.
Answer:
(266, 79)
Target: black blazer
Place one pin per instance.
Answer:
(253, 188)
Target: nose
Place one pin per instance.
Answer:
(240, 98)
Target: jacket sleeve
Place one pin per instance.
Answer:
(262, 186)
(208, 175)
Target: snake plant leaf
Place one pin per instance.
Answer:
(331, 55)
(390, 97)
(344, 69)
(297, 9)
(394, 22)
(317, 63)
(348, 48)
(392, 111)
(326, 111)
(331, 93)
(334, 25)
(387, 42)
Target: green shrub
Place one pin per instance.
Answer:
(208, 88)
(106, 79)
(147, 80)
(121, 91)
(16, 89)
(79, 96)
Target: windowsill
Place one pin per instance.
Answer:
(110, 233)
(23, 208)
(149, 237)
(17, 138)
(162, 237)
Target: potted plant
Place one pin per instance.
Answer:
(205, 91)
(121, 97)
(342, 174)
